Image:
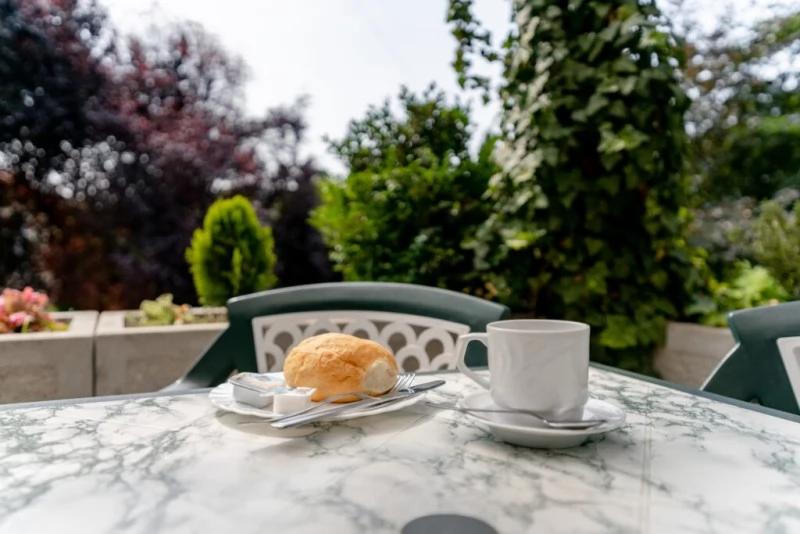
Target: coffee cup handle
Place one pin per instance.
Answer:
(461, 353)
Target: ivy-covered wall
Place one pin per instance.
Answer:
(590, 217)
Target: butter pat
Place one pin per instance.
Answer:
(255, 389)
(292, 400)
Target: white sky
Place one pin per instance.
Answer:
(343, 54)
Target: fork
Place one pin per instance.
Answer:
(403, 381)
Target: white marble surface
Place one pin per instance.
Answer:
(682, 464)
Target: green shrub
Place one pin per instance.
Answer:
(777, 244)
(589, 214)
(746, 287)
(231, 254)
(160, 312)
(412, 198)
(403, 225)
(164, 312)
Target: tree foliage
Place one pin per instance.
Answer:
(745, 107)
(116, 147)
(412, 197)
(52, 79)
(589, 211)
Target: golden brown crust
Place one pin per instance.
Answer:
(338, 363)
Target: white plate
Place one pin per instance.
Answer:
(222, 397)
(527, 431)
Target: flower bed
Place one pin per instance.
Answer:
(26, 311)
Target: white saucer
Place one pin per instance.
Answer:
(222, 397)
(527, 431)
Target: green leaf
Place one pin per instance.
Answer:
(601, 9)
(521, 239)
(620, 332)
(627, 85)
(594, 246)
(596, 103)
(574, 5)
(609, 184)
(628, 138)
(625, 65)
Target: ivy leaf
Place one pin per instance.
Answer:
(627, 85)
(596, 102)
(521, 239)
(594, 245)
(574, 4)
(620, 332)
(628, 138)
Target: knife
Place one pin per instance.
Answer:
(413, 391)
(359, 404)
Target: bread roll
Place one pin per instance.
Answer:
(340, 363)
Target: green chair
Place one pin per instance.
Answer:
(754, 370)
(420, 324)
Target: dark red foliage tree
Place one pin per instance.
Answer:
(156, 133)
(51, 84)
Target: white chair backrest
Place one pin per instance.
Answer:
(418, 343)
(789, 347)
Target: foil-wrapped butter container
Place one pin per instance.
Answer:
(256, 389)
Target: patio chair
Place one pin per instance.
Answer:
(755, 370)
(420, 324)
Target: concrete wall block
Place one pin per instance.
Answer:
(49, 365)
(146, 358)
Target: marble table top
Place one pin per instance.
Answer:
(173, 464)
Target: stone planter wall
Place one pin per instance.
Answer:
(49, 365)
(141, 359)
(692, 352)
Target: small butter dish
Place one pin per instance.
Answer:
(292, 400)
(255, 389)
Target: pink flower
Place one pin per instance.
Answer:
(19, 319)
(29, 295)
(25, 310)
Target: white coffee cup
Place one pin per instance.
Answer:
(534, 364)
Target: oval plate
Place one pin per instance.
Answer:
(222, 397)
